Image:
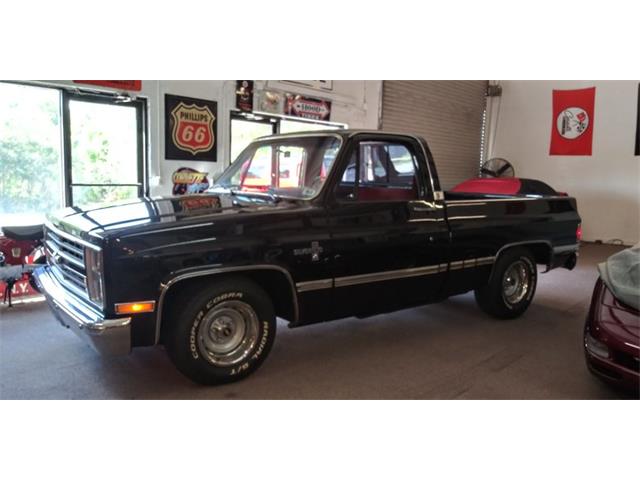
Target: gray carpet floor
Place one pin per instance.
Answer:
(443, 351)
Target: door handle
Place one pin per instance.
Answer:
(422, 207)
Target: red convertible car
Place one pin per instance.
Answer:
(612, 330)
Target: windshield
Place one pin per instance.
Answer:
(290, 167)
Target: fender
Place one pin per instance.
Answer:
(186, 274)
(520, 244)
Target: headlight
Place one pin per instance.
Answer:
(595, 347)
(95, 277)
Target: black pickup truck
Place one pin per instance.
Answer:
(306, 227)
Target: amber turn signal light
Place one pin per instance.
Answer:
(135, 307)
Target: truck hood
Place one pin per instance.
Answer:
(147, 213)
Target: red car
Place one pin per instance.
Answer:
(612, 340)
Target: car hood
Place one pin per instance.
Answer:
(146, 213)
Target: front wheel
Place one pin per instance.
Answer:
(511, 286)
(222, 333)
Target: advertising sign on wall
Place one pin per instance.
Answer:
(307, 107)
(190, 128)
(244, 95)
(187, 181)
(133, 85)
(572, 122)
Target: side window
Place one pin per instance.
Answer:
(258, 172)
(291, 162)
(380, 171)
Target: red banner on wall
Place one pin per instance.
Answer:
(133, 85)
(572, 122)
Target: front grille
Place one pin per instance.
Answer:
(66, 257)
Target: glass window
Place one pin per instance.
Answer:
(383, 171)
(401, 158)
(30, 153)
(243, 132)
(289, 167)
(89, 151)
(258, 169)
(104, 152)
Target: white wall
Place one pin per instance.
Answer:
(607, 183)
(356, 103)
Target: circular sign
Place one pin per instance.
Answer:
(572, 122)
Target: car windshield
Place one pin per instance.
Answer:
(294, 167)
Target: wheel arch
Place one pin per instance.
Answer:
(275, 280)
(541, 250)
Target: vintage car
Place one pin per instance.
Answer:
(359, 226)
(612, 329)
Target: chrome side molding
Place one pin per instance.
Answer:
(365, 278)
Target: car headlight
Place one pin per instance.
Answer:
(595, 347)
(95, 275)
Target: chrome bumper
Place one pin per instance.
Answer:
(106, 336)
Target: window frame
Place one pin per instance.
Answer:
(142, 167)
(422, 186)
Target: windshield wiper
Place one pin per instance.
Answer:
(272, 196)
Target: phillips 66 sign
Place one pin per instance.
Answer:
(190, 128)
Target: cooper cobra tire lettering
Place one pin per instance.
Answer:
(192, 336)
(223, 297)
(263, 340)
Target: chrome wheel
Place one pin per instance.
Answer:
(228, 333)
(515, 282)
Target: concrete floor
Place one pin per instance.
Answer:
(444, 351)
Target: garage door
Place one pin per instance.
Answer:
(448, 114)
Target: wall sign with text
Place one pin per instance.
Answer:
(307, 107)
(190, 126)
(187, 181)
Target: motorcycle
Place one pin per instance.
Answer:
(21, 252)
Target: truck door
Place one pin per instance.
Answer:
(388, 236)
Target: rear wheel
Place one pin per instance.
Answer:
(222, 333)
(511, 286)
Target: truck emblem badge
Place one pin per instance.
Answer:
(315, 250)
